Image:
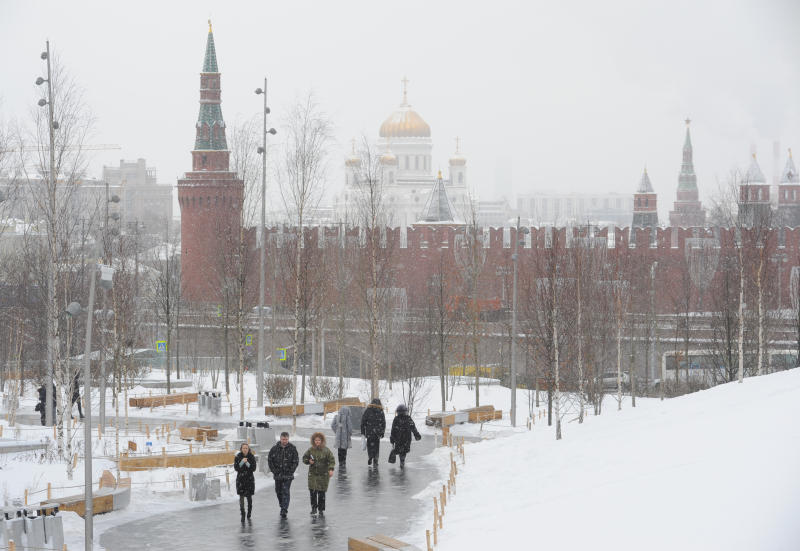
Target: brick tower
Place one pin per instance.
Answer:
(645, 208)
(688, 211)
(210, 196)
(789, 195)
(755, 209)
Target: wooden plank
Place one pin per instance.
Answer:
(360, 544)
(332, 406)
(283, 411)
(162, 400)
(193, 461)
(389, 542)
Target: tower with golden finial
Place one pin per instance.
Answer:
(210, 195)
(789, 194)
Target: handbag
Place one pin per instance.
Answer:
(363, 442)
(392, 456)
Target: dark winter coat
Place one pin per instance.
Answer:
(342, 427)
(373, 422)
(283, 461)
(324, 462)
(245, 481)
(402, 428)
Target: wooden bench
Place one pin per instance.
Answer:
(378, 543)
(332, 406)
(162, 400)
(188, 460)
(197, 433)
(302, 409)
(483, 413)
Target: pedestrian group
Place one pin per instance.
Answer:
(283, 458)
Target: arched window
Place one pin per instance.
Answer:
(646, 201)
(460, 177)
(391, 177)
(203, 160)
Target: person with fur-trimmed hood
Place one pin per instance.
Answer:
(402, 428)
(320, 463)
(373, 427)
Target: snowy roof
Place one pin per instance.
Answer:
(789, 175)
(438, 208)
(754, 174)
(644, 184)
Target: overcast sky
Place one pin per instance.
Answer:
(572, 95)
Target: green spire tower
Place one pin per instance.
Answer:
(210, 125)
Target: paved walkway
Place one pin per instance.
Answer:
(361, 501)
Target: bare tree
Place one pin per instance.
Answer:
(302, 176)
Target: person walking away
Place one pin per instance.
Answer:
(402, 428)
(41, 406)
(342, 427)
(283, 461)
(76, 394)
(321, 464)
(245, 465)
(373, 427)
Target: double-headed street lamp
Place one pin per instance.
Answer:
(515, 260)
(52, 318)
(262, 239)
(74, 309)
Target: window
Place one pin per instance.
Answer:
(203, 160)
(460, 177)
(406, 161)
(391, 177)
(416, 162)
(646, 201)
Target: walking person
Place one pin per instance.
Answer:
(402, 428)
(373, 427)
(321, 464)
(245, 465)
(283, 461)
(342, 427)
(76, 394)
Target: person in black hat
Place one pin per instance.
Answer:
(402, 428)
(373, 427)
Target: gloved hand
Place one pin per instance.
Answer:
(417, 437)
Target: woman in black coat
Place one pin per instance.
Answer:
(402, 428)
(245, 466)
(373, 427)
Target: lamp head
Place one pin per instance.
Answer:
(44, 55)
(114, 199)
(39, 81)
(74, 309)
(272, 131)
(260, 150)
(259, 91)
(42, 102)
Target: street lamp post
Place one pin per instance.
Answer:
(515, 259)
(262, 239)
(106, 279)
(107, 260)
(52, 320)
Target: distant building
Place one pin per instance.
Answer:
(143, 202)
(559, 209)
(645, 208)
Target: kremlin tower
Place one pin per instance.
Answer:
(688, 210)
(645, 209)
(210, 196)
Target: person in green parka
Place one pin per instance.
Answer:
(320, 463)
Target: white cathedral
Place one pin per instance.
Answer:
(413, 193)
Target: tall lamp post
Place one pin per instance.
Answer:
(515, 259)
(52, 317)
(74, 309)
(107, 260)
(262, 239)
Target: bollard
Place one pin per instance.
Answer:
(12, 546)
(54, 432)
(49, 491)
(231, 406)
(444, 497)
(449, 492)
(205, 438)
(1, 431)
(441, 507)
(183, 481)
(187, 408)
(26, 496)
(75, 460)
(164, 452)
(140, 425)
(228, 479)
(248, 404)
(226, 446)
(190, 448)
(428, 539)
(147, 427)
(99, 432)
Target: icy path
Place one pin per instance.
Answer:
(361, 501)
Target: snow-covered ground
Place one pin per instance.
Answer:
(712, 470)
(718, 469)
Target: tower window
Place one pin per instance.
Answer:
(416, 162)
(646, 201)
(203, 160)
(406, 161)
(460, 177)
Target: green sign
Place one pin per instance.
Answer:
(219, 310)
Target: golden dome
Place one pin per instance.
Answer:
(353, 160)
(458, 159)
(388, 158)
(405, 123)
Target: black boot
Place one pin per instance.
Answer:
(241, 507)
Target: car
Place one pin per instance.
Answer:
(608, 381)
(267, 310)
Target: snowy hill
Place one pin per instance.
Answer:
(718, 469)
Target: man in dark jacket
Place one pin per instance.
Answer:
(41, 406)
(373, 427)
(76, 394)
(402, 428)
(283, 461)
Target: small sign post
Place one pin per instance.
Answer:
(282, 354)
(161, 346)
